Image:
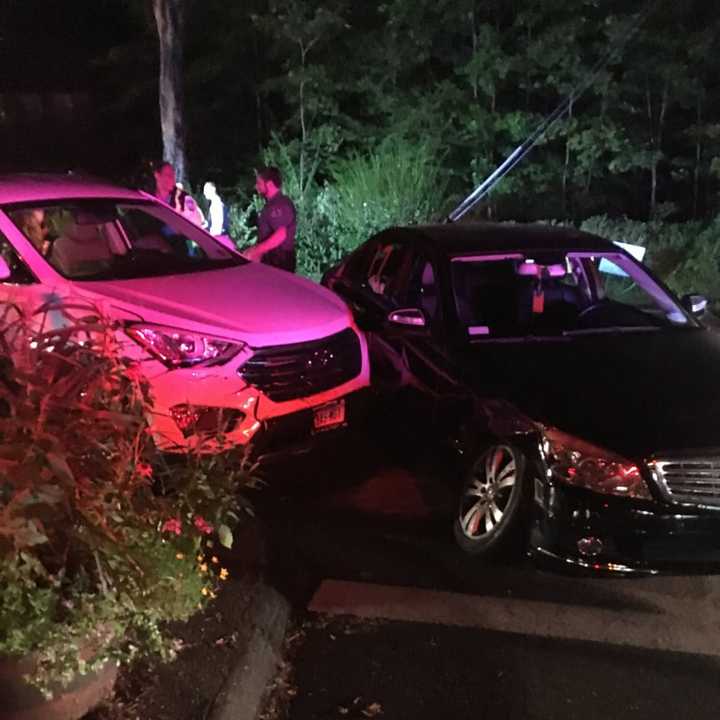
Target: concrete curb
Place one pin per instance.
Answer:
(244, 690)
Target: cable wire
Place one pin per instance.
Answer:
(519, 153)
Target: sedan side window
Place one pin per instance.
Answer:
(386, 272)
(616, 285)
(357, 265)
(20, 273)
(423, 291)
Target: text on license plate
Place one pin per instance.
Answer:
(330, 415)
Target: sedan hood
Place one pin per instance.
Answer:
(253, 302)
(636, 394)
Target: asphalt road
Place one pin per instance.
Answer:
(393, 621)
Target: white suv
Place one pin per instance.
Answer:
(271, 356)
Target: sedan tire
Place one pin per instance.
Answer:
(494, 503)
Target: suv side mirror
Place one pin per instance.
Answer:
(412, 317)
(5, 271)
(694, 304)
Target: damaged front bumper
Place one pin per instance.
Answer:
(584, 531)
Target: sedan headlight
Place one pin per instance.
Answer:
(180, 348)
(576, 462)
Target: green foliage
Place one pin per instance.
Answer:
(101, 540)
(397, 183)
(471, 78)
(686, 256)
(241, 223)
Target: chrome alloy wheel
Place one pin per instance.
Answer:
(488, 494)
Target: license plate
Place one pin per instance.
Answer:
(330, 415)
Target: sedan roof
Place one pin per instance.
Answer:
(19, 188)
(462, 238)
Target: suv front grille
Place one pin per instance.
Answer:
(288, 372)
(695, 480)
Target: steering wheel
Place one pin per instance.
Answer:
(600, 305)
(612, 313)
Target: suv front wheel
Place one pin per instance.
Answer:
(494, 502)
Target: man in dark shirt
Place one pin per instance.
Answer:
(276, 223)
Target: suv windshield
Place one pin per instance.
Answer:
(118, 240)
(559, 294)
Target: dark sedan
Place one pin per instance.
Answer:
(583, 395)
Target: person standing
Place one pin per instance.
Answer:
(217, 222)
(277, 223)
(216, 210)
(172, 193)
(32, 223)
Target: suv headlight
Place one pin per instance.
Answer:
(181, 348)
(576, 462)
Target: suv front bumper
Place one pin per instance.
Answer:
(294, 434)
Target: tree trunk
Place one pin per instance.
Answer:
(303, 127)
(473, 30)
(656, 139)
(566, 164)
(169, 19)
(527, 67)
(258, 97)
(653, 168)
(698, 159)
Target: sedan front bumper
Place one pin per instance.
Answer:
(582, 530)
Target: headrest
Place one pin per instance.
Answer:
(533, 269)
(84, 234)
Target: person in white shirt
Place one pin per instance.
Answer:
(217, 221)
(216, 213)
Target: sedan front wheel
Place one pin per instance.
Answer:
(494, 501)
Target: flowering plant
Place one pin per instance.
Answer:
(102, 540)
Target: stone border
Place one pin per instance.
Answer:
(242, 695)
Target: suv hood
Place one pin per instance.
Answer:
(636, 394)
(254, 303)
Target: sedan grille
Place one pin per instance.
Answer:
(288, 372)
(695, 480)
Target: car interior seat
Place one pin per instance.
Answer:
(495, 299)
(81, 250)
(428, 291)
(561, 305)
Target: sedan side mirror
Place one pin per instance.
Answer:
(412, 317)
(694, 304)
(5, 271)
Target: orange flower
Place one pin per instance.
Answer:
(180, 556)
(224, 574)
(203, 568)
(214, 560)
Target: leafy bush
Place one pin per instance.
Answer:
(241, 221)
(398, 182)
(300, 165)
(101, 541)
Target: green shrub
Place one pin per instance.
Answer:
(101, 540)
(396, 183)
(241, 221)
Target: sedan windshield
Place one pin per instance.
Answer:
(559, 295)
(118, 240)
